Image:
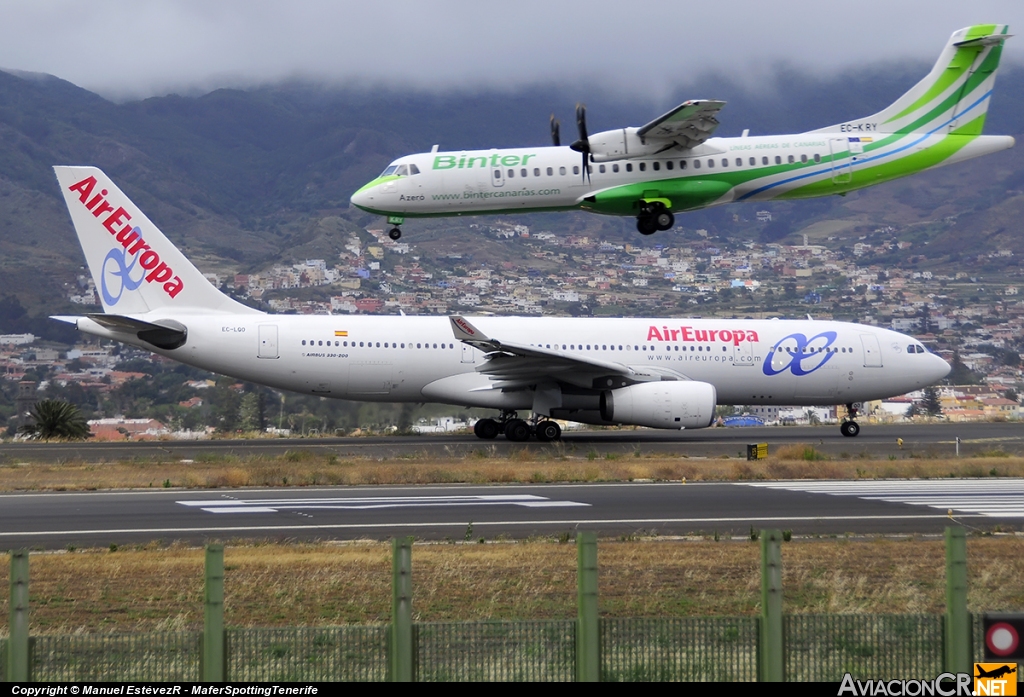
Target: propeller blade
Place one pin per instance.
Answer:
(554, 131)
(583, 144)
(581, 120)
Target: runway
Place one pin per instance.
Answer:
(926, 440)
(55, 520)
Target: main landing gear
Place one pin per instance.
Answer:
(654, 216)
(849, 427)
(517, 430)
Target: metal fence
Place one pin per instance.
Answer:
(826, 647)
(535, 651)
(695, 649)
(156, 657)
(351, 654)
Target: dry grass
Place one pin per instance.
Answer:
(306, 468)
(144, 589)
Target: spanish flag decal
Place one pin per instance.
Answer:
(338, 332)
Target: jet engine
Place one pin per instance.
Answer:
(665, 404)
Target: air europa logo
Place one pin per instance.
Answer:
(687, 333)
(464, 326)
(130, 238)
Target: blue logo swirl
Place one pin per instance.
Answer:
(121, 272)
(815, 352)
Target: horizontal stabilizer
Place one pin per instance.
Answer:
(165, 333)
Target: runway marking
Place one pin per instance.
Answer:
(373, 502)
(994, 498)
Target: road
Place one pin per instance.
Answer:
(57, 519)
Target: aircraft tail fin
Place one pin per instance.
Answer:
(136, 269)
(953, 97)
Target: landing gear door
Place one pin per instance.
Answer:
(268, 341)
(842, 167)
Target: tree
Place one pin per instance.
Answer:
(56, 419)
(930, 403)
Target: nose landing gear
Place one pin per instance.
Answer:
(849, 427)
(395, 233)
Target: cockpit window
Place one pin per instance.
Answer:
(413, 169)
(389, 171)
(915, 348)
(402, 171)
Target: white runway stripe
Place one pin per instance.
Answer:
(372, 502)
(998, 498)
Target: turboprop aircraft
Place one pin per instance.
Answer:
(673, 163)
(662, 373)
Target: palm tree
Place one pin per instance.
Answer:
(56, 419)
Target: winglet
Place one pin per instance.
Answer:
(464, 331)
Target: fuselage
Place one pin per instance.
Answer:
(416, 359)
(720, 170)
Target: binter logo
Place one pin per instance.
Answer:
(799, 355)
(119, 274)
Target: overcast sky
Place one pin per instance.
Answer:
(140, 48)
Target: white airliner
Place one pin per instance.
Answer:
(674, 164)
(662, 373)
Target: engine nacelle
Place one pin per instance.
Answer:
(622, 144)
(664, 404)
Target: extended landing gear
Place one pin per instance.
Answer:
(517, 430)
(654, 216)
(395, 233)
(849, 427)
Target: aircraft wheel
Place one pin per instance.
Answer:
(548, 431)
(395, 234)
(517, 431)
(486, 429)
(850, 429)
(665, 220)
(646, 225)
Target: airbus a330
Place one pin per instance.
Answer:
(667, 373)
(674, 163)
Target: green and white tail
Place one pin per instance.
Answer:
(953, 97)
(136, 269)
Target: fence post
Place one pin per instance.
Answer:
(957, 649)
(770, 642)
(400, 657)
(17, 642)
(588, 639)
(213, 616)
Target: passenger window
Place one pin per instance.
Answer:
(711, 163)
(739, 161)
(550, 171)
(657, 166)
(536, 171)
(497, 174)
(682, 164)
(575, 169)
(696, 164)
(753, 161)
(764, 160)
(803, 158)
(790, 159)
(615, 168)
(561, 170)
(511, 174)
(643, 166)
(629, 166)
(669, 164)
(522, 172)
(817, 157)
(778, 159)
(602, 169)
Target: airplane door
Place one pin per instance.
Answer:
(467, 354)
(743, 354)
(872, 351)
(268, 341)
(497, 177)
(842, 169)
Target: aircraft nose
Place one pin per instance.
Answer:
(360, 199)
(938, 368)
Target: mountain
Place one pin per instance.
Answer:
(242, 178)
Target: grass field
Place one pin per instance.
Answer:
(152, 588)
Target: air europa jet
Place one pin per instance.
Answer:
(662, 373)
(674, 164)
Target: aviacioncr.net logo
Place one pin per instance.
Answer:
(117, 273)
(799, 355)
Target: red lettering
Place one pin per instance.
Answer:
(149, 259)
(653, 334)
(116, 218)
(675, 335)
(752, 336)
(160, 274)
(95, 199)
(702, 334)
(725, 335)
(738, 336)
(139, 245)
(174, 287)
(124, 238)
(102, 208)
(713, 332)
(84, 188)
(687, 334)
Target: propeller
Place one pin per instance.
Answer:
(554, 131)
(583, 144)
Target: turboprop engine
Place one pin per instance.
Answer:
(623, 143)
(664, 404)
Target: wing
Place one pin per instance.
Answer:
(689, 124)
(512, 366)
